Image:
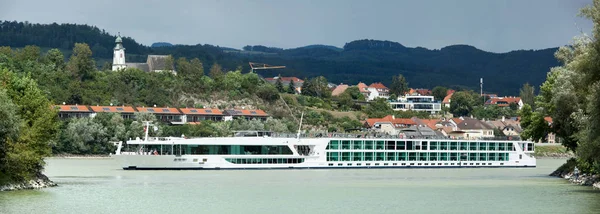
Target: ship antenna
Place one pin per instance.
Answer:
(300, 125)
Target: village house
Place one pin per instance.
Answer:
(196, 115)
(447, 99)
(245, 114)
(505, 101)
(164, 114)
(285, 81)
(509, 127)
(419, 92)
(388, 124)
(469, 128)
(339, 89)
(378, 90)
(72, 111)
(127, 112)
(363, 89)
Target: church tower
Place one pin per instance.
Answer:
(119, 55)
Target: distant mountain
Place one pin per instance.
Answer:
(457, 66)
(161, 44)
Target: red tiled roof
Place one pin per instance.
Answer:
(202, 111)
(377, 85)
(430, 123)
(72, 108)
(159, 110)
(390, 119)
(457, 120)
(447, 98)
(117, 109)
(247, 112)
(339, 89)
(421, 91)
(502, 101)
(548, 119)
(362, 87)
(450, 91)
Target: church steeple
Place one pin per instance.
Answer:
(119, 54)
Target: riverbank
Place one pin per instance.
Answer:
(41, 181)
(552, 151)
(566, 172)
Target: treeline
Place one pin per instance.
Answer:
(362, 60)
(571, 96)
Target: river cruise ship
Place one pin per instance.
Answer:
(265, 150)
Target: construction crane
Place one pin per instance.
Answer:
(262, 66)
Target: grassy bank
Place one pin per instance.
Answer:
(552, 151)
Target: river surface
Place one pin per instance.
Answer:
(99, 186)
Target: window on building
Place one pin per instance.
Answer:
(120, 109)
(208, 111)
(194, 111)
(105, 109)
(165, 110)
(150, 110)
(74, 108)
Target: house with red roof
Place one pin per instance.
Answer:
(72, 111)
(339, 89)
(364, 89)
(419, 92)
(245, 114)
(505, 101)
(378, 90)
(127, 112)
(447, 99)
(389, 124)
(164, 114)
(196, 115)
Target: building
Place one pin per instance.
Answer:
(470, 128)
(505, 101)
(389, 124)
(509, 127)
(196, 115)
(245, 114)
(448, 98)
(127, 112)
(417, 103)
(286, 82)
(154, 63)
(419, 91)
(363, 89)
(378, 90)
(164, 114)
(72, 111)
(339, 89)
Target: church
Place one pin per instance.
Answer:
(154, 63)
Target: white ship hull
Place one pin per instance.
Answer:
(317, 157)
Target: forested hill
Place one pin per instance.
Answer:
(363, 60)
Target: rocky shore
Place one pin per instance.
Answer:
(41, 181)
(583, 179)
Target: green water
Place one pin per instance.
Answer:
(98, 186)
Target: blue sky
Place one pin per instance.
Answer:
(491, 25)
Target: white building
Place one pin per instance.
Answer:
(119, 55)
(417, 103)
(154, 63)
(378, 90)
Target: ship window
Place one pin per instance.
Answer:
(359, 164)
(433, 156)
(380, 145)
(368, 156)
(346, 156)
(345, 144)
(520, 156)
(403, 164)
(400, 145)
(472, 146)
(357, 156)
(492, 146)
(368, 164)
(376, 164)
(422, 156)
(450, 164)
(380, 156)
(464, 146)
(340, 164)
(412, 156)
(357, 144)
(483, 146)
(349, 164)
(390, 145)
(482, 157)
(391, 156)
(419, 164)
(368, 144)
(434, 145)
(427, 164)
(395, 164)
(453, 145)
(330, 164)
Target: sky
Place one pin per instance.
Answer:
(491, 25)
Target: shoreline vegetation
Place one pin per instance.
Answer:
(584, 179)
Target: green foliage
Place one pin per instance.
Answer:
(439, 92)
(279, 85)
(81, 65)
(291, 89)
(378, 108)
(399, 85)
(463, 103)
(37, 127)
(527, 94)
(411, 114)
(316, 87)
(492, 112)
(267, 92)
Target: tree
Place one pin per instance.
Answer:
(513, 106)
(279, 85)
(379, 108)
(527, 94)
(81, 65)
(56, 58)
(439, 92)
(37, 131)
(291, 89)
(216, 72)
(399, 85)
(462, 103)
(267, 92)
(316, 87)
(9, 130)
